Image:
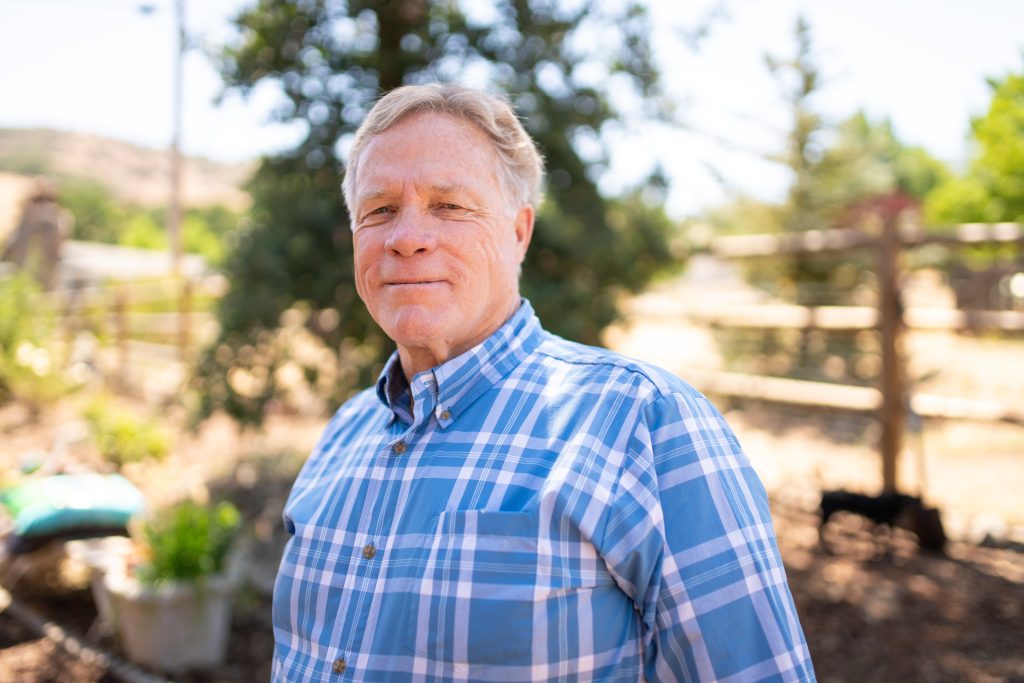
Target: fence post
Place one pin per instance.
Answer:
(184, 319)
(121, 327)
(890, 316)
(72, 324)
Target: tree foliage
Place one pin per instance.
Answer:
(868, 160)
(840, 172)
(98, 216)
(101, 217)
(799, 79)
(559, 65)
(992, 189)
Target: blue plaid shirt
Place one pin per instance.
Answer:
(540, 511)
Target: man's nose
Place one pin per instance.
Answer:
(411, 233)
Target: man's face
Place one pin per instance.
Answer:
(437, 247)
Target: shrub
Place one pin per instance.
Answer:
(29, 371)
(123, 437)
(187, 542)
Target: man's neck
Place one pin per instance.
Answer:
(416, 359)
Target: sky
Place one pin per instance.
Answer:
(922, 64)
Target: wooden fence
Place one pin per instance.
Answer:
(147, 323)
(891, 400)
(162, 322)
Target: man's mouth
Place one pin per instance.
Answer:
(412, 283)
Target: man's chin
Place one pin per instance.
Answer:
(415, 325)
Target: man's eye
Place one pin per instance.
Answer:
(379, 211)
(448, 206)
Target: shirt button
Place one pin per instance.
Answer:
(369, 551)
(446, 415)
(339, 665)
(399, 447)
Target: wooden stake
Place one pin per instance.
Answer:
(184, 319)
(121, 327)
(890, 316)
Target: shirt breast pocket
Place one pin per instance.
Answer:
(486, 594)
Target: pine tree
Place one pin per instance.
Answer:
(332, 60)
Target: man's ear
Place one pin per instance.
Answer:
(524, 229)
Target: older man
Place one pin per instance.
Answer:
(505, 505)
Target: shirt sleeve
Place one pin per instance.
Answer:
(689, 538)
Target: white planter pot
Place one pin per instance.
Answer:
(100, 555)
(174, 626)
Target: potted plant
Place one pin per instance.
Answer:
(172, 611)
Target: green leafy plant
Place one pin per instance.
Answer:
(29, 371)
(123, 437)
(187, 542)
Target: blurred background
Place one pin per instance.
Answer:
(810, 211)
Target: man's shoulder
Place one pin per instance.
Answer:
(600, 365)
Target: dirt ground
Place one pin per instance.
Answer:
(868, 615)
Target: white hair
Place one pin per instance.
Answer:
(521, 167)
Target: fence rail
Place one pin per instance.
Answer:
(844, 239)
(845, 397)
(891, 401)
(136, 291)
(165, 325)
(835, 318)
(150, 324)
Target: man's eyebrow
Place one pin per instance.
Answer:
(449, 189)
(372, 194)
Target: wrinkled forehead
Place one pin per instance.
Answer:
(427, 149)
(426, 126)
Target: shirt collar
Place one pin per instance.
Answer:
(449, 389)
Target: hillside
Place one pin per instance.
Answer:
(134, 174)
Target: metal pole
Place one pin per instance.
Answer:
(174, 210)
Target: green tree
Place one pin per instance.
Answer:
(992, 189)
(799, 79)
(143, 231)
(332, 60)
(839, 174)
(812, 201)
(98, 215)
(101, 217)
(868, 160)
